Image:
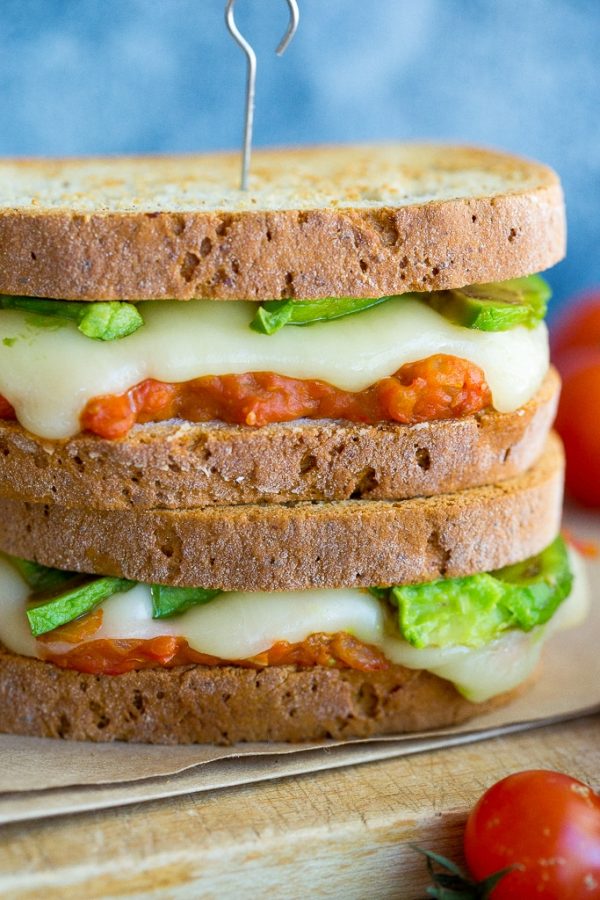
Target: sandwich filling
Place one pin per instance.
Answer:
(410, 358)
(483, 632)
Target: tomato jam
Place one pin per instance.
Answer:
(439, 387)
(114, 657)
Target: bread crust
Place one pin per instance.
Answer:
(342, 232)
(182, 465)
(290, 547)
(224, 705)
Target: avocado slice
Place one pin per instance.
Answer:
(274, 314)
(172, 601)
(538, 585)
(101, 320)
(474, 610)
(77, 597)
(494, 307)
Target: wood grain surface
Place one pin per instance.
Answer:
(343, 833)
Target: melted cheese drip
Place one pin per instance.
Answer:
(240, 625)
(49, 373)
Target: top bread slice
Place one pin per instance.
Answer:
(316, 222)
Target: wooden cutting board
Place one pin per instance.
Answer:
(342, 833)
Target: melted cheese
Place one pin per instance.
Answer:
(240, 625)
(49, 373)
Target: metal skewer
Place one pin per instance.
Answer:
(251, 75)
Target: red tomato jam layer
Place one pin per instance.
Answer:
(439, 387)
(115, 657)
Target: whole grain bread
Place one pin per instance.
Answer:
(182, 465)
(224, 705)
(294, 546)
(316, 222)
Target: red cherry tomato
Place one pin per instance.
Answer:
(547, 825)
(578, 325)
(578, 422)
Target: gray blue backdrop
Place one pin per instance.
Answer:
(96, 76)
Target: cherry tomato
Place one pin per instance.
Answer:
(547, 825)
(578, 422)
(578, 325)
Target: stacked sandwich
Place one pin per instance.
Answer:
(318, 499)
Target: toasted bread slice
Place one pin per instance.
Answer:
(223, 705)
(183, 465)
(316, 222)
(355, 543)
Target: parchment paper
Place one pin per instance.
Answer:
(40, 777)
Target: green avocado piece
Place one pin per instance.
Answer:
(110, 321)
(538, 585)
(171, 601)
(474, 610)
(274, 314)
(494, 307)
(100, 320)
(78, 596)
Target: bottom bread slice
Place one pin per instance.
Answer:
(224, 705)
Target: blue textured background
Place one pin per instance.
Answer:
(90, 76)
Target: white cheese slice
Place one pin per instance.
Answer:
(240, 625)
(49, 373)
